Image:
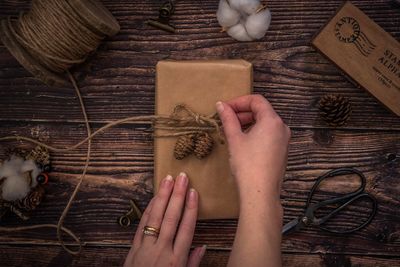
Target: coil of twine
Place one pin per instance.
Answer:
(55, 35)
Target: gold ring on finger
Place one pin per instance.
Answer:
(151, 231)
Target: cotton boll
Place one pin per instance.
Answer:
(14, 188)
(227, 16)
(257, 24)
(10, 167)
(30, 166)
(17, 183)
(250, 6)
(235, 4)
(239, 33)
(243, 20)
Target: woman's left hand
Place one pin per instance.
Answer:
(168, 238)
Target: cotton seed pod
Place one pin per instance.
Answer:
(184, 146)
(204, 145)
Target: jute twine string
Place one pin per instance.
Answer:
(175, 125)
(57, 35)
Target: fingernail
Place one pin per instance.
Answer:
(202, 251)
(192, 194)
(168, 180)
(182, 178)
(220, 107)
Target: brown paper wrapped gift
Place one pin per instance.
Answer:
(199, 85)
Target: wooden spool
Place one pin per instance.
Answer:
(99, 19)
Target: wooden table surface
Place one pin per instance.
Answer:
(119, 81)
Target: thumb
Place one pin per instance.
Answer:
(196, 256)
(230, 121)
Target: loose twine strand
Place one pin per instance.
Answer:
(180, 122)
(58, 38)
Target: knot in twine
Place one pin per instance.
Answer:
(244, 20)
(184, 120)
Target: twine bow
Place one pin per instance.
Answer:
(184, 120)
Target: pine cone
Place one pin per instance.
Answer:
(32, 200)
(335, 109)
(204, 145)
(40, 155)
(184, 146)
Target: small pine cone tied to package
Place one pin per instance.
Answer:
(184, 146)
(204, 145)
(335, 109)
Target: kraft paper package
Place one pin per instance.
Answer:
(199, 85)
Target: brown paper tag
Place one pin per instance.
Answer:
(364, 52)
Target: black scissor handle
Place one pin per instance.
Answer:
(332, 173)
(360, 226)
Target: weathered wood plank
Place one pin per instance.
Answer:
(119, 81)
(107, 256)
(123, 169)
(120, 77)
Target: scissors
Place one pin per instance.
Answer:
(308, 218)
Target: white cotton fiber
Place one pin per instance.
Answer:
(17, 183)
(235, 4)
(30, 166)
(227, 16)
(257, 24)
(15, 188)
(244, 20)
(249, 6)
(239, 33)
(9, 166)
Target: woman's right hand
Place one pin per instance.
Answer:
(258, 156)
(258, 159)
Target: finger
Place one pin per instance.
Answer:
(137, 240)
(174, 210)
(186, 228)
(159, 206)
(230, 121)
(256, 104)
(196, 256)
(245, 118)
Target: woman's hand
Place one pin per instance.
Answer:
(171, 246)
(258, 156)
(258, 159)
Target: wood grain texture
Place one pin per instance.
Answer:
(123, 169)
(118, 81)
(120, 77)
(107, 256)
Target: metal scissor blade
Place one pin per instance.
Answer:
(290, 225)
